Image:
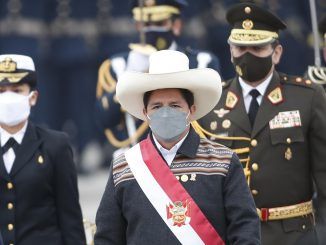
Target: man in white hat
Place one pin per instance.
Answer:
(38, 183)
(175, 187)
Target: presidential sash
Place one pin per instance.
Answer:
(169, 198)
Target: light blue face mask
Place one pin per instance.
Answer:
(168, 124)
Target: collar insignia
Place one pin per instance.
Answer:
(275, 97)
(231, 100)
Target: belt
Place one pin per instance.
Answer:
(285, 212)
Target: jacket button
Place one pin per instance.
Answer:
(254, 192)
(288, 140)
(10, 185)
(254, 166)
(254, 143)
(10, 227)
(10, 206)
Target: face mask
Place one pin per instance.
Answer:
(168, 124)
(159, 37)
(14, 108)
(252, 68)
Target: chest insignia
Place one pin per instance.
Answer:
(231, 100)
(275, 97)
(221, 112)
(226, 123)
(213, 125)
(178, 213)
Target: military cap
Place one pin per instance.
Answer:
(252, 25)
(322, 26)
(17, 69)
(156, 10)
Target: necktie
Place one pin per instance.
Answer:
(253, 106)
(11, 143)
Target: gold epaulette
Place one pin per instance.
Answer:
(124, 143)
(105, 80)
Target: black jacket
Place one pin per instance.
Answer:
(39, 197)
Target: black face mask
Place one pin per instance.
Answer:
(252, 68)
(159, 38)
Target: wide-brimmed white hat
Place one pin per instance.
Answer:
(169, 69)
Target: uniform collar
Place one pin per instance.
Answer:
(4, 135)
(246, 88)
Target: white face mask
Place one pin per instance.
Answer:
(14, 108)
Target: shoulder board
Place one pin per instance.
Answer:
(296, 80)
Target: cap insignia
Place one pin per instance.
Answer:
(247, 24)
(8, 65)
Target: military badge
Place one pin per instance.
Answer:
(184, 178)
(213, 125)
(221, 112)
(231, 100)
(226, 123)
(288, 154)
(286, 119)
(275, 97)
(178, 213)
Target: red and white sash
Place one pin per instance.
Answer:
(169, 198)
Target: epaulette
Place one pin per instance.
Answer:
(296, 80)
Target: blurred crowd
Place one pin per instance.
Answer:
(69, 39)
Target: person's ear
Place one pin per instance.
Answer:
(33, 98)
(276, 57)
(177, 26)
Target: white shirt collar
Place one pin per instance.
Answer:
(169, 155)
(246, 88)
(173, 46)
(4, 135)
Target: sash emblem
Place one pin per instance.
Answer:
(178, 213)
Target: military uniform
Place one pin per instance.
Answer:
(38, 182)
(283, 152)
(109, 115)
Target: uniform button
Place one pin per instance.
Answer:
(288, 140)
(10, 206)
(10, 185)
(303, 227)
(10, 227)
(254, 143)
(254, 192)
(254, 166)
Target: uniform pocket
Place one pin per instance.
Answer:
(286, 135)
(301, 224)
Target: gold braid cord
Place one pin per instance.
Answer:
(124, 143)
(105, 80)
(203, 133)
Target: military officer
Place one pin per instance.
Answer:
(38, 183)
(277, 125)
(160, 23)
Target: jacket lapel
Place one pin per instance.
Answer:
(238, 113)
(267, 110)
(26, 150)
(3, 171)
